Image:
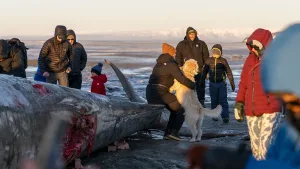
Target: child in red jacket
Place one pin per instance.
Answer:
(98, 87)
(98, 80)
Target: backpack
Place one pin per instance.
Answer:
(21, 46)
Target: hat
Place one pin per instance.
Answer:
(61, 32)
(97, 69)
(166, 48)
(216, 50)
(190, 30)
(257, 45)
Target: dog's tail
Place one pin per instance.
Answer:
(214, 112)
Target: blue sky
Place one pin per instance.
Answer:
(39, 17)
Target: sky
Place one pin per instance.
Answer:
(39, 17)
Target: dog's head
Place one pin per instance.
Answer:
(190, 68)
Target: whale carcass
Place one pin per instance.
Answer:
(26, 107)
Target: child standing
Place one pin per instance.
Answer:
(217, 66)
(98, 80)
(98, 87)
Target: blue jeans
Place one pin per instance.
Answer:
(218, 95)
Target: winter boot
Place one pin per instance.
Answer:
(175, 135)
(215, 119)
(167, 133)
(225, 120)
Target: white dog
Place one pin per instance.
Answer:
(194, 112)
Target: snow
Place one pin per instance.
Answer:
(11, 97)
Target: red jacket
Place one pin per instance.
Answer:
(251, 91)
(98, 84)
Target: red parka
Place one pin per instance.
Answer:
(251, 92)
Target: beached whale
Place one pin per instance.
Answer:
(26, 107)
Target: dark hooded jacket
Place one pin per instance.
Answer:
(56, 56)
(11, 60)
(218, 68)
(79, 56)
(188, 49)
(166, 70)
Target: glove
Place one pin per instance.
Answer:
(218, 157)
(68, 70)
(239, 111)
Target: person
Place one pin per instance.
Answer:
(285, 152)
(78, 61)
(218, 67)
(55, 57)
(262, 110)
(99, 80)
(20, 46)
(38, 76)
(98, 87)
(11, 60)
(157, 91)
(193, 48)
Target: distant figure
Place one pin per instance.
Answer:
(20, 46)
(262, 109)
(193, 48)
(38, 76)
(55, 57)
(98, 80)
(11, 60)
(157, 91)
(79, 59)
(218, 67)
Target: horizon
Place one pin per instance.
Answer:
(210, 37)
(39, 18)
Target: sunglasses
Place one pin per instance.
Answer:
(253, 46)
(70, 39)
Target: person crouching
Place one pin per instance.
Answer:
(157, 91)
